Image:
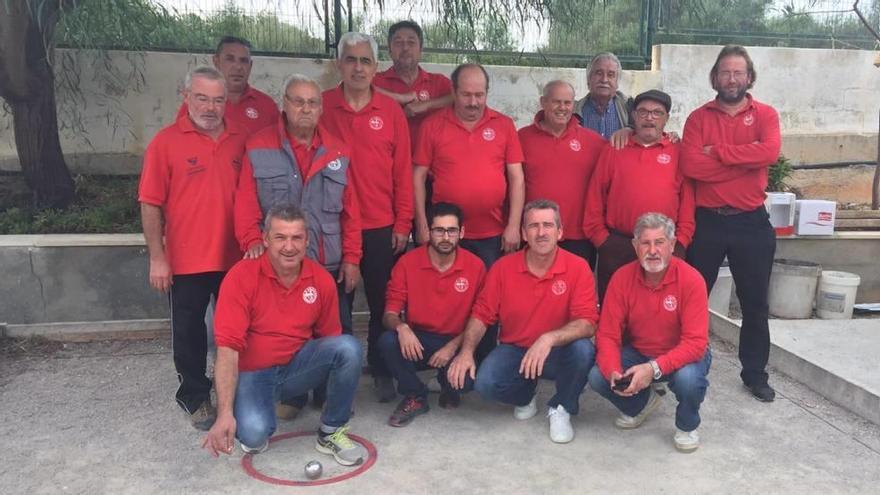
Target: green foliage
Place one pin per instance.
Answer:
(778, 173)
(104, 204)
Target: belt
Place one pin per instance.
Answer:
(726, 210)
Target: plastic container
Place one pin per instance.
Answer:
(793, 288)
(719, 298)
(836, 295)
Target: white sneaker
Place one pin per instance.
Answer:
(526, 412)
(628, 422)
(560, 425)
(254, 450)
(686, 441)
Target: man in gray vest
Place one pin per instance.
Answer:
(300, 163)
(604, 109)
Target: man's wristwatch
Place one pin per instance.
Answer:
(656, 368)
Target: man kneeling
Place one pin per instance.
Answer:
(654, 326)
(278, 336)
(545, 299)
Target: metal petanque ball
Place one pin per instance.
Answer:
(313, 470)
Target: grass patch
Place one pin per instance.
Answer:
(104, 204)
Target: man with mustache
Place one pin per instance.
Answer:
(642, 176)
(604, 109)
(654, 327)
(728, 146)
(560, 157)
(186, 193)
(248, 107)
(544, 299)
(435, 285)
(375, 128)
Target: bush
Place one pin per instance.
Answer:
(778, 173)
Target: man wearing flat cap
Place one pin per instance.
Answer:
(643, 176)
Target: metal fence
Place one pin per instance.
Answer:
(562, 32)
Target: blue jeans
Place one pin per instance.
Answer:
(336, 360)
(404, 370)
(688, 383)
(499, 379)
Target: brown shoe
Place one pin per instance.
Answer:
(285, 411)
(204, 417)
(407, 410)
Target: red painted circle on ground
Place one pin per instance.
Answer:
(248, 465)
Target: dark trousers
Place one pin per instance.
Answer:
(190, 296)
(581, 247)
(488, 250)
(615, 252)
(749, 242)
(376, 265)
(404, 370)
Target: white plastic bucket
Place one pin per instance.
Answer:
(719, 298)
(793, 288)
(836, 295)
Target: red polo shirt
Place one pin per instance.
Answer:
(669, 322)
(381, 162)
(249, 215)
(254, 110)
(267, 323)
(636, 180)
(469, 167)
(734, 172)
(427, 86)
(193, 179)
(529, 306)
(559, 168)
(437, 302)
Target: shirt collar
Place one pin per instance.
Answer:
(750, 106)
(340, 102)
(390, 73)
(425, 261)
(488, 115)
(560, 264)
(573, 123)
(185, 124)
(268, 271)
(670, 277)
(663, 143)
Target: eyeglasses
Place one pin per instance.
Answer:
(739, 75)
(298, 102)
(657, 114)
(452, 232)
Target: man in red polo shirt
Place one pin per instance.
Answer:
(186, 193)
(435, 285)
(248, 107)
(640, 177)
(560, 157)
(419, 92)
(374, 127)
(475, 157)
(728, 146)
(278, 336)
(654, 326)
(544, 299)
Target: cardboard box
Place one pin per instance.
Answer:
(815, 217)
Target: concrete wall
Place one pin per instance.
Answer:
(827, 99)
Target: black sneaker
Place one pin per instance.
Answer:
(407, 410)
(449, 399)
(761, 391)
(384, 388)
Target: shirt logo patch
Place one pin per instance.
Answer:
(663, 158)
(488, 134)
(670, 303)
(559, 287)
(335, 164)
(575, 145)
(376, 123)
(252, 113)
(424, 95)
(461, 284)
(749, 119)
(310, 295)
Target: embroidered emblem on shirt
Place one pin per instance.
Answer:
(461, 284)
(575, 145)
(376, 123)
(559, 287)
(749, 119)
(670, 303)
(488, 134)
(424, 95)
(335, 164)
(252, 113)
(663, 158)
(310, 295)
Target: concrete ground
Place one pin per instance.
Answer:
(100, 418)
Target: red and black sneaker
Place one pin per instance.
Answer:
(407, 409)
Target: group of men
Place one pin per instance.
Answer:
(279, 216)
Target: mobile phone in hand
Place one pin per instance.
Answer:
(622, 383)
